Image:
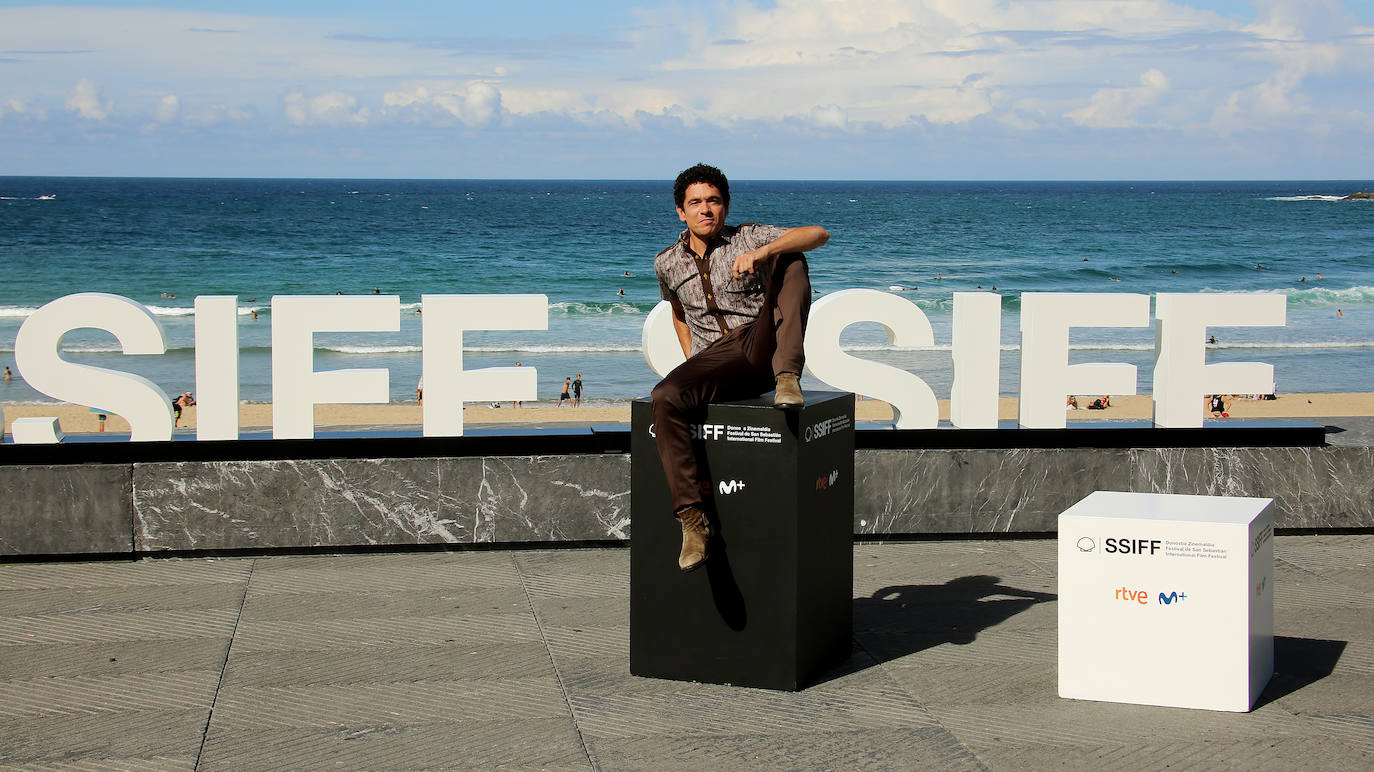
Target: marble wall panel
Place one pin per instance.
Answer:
(366, 502)
(296, 504)
(261, 504)
(1331, 487)
(60, 510)
(543, 498)
(975, 491)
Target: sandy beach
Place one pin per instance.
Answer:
(76, 419)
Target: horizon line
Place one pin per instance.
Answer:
(660, 179)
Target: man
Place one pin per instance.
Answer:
(740, 296)
(577, 391)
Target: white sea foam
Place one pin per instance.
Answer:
(170, 310)
(370, 349)
(1316, 345)
(16, 312)
(1311, 296)
(507, 349)
(575, 308)
(1305, 198)
(573, 349)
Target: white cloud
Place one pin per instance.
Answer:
(476, 104)
(87, 100)
(1299, 42)
(885, 69)
(828, 117)
(332, 108)
(167, 109)
(1116, 108)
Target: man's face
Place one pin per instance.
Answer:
(703, 209)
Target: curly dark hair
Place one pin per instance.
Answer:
(700, 173)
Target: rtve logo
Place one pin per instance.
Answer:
(1142, 597)
(824, 483)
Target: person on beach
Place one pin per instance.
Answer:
(565, 396)
(577, 391)
(1217, 404)
(8, 374)
(183, 401)
(517, 404)
(740, 295)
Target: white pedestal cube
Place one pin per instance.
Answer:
(1166, 599)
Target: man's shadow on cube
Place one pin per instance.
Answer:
(724, 589)
(904, 619)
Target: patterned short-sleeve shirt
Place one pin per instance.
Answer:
(714, 301)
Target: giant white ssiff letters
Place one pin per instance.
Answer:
(1181, 375)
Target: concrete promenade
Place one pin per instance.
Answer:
(518, 659)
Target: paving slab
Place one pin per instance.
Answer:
(519, 659)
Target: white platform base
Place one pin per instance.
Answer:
(1166, 600)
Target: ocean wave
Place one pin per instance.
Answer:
(370, 349)
(1314, 345)
(576, 308)
(1312, 297)
(948, 347)
(170, 310)
(507, 349)
(24, 312)
(174, 311)
(1306, 198)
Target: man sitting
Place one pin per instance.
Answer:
(740, 297)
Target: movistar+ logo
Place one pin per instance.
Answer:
(726, 488)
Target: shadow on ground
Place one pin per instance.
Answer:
(904, 619)
(1298, 663)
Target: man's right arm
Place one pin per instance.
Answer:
(684, 333)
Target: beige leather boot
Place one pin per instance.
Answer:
(695, 533)
(789, 392)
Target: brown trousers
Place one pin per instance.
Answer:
(740, 365)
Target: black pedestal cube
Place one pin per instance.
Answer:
(773, 606)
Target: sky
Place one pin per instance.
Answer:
(625, 89)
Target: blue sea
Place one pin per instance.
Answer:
(575, 240)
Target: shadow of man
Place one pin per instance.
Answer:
(904, 619)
